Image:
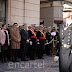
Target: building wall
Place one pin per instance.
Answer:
(57, 12)
(47, 15)
(51, 10)
(32, 11)
(16, 11)
(24, 11)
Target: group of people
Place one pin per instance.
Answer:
(20, 43)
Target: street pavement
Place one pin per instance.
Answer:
(39, 65)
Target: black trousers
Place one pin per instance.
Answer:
(24, 50)
(15, 53)
(41, 48)
(33, 49)
(48, 49)
(65, 60)
(4, 53)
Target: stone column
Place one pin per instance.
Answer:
(32, 12)
(16, 11)
(24, 11)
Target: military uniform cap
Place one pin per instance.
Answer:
(53, 27)
(41, 26)
(67, 7)
(36, 26)
(33, 24)
(45, 26)
(29, 27)
(49, 27)
(10, 25)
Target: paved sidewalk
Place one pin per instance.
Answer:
(40, 65)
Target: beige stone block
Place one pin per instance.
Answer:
(17, 12)
(17, 4)
(32, 14)
(20, 0)
(26, 20)
(57, 3)
(32, 7)
(30, 20)
(33, 1)
(17, 19)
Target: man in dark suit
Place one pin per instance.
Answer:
(48, 39)
(41, 39)
(24, 43)
(65, 60)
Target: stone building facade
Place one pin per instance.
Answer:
(20, 11)
(50, 11)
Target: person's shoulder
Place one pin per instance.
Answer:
(29, 30)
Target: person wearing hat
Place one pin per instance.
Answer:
(41, 39)
(45, 30)
(48, 39)
(33, 42)
(29, 27)
(65, 60)
(36, 29)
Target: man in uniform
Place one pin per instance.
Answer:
(33, 42)
(65, 61)
(48, 39)
(41, 39)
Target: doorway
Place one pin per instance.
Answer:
(3, 8)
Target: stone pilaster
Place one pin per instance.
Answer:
(24, 11)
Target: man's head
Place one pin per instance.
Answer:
(66, 15)
(45, 28)
(15, 25)
(29, 27)
(25, 26)
(37, 28)
(10, 27)
(4, 27)
(66, 11)
(33, 26)
(41, 27)
(49, 29)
